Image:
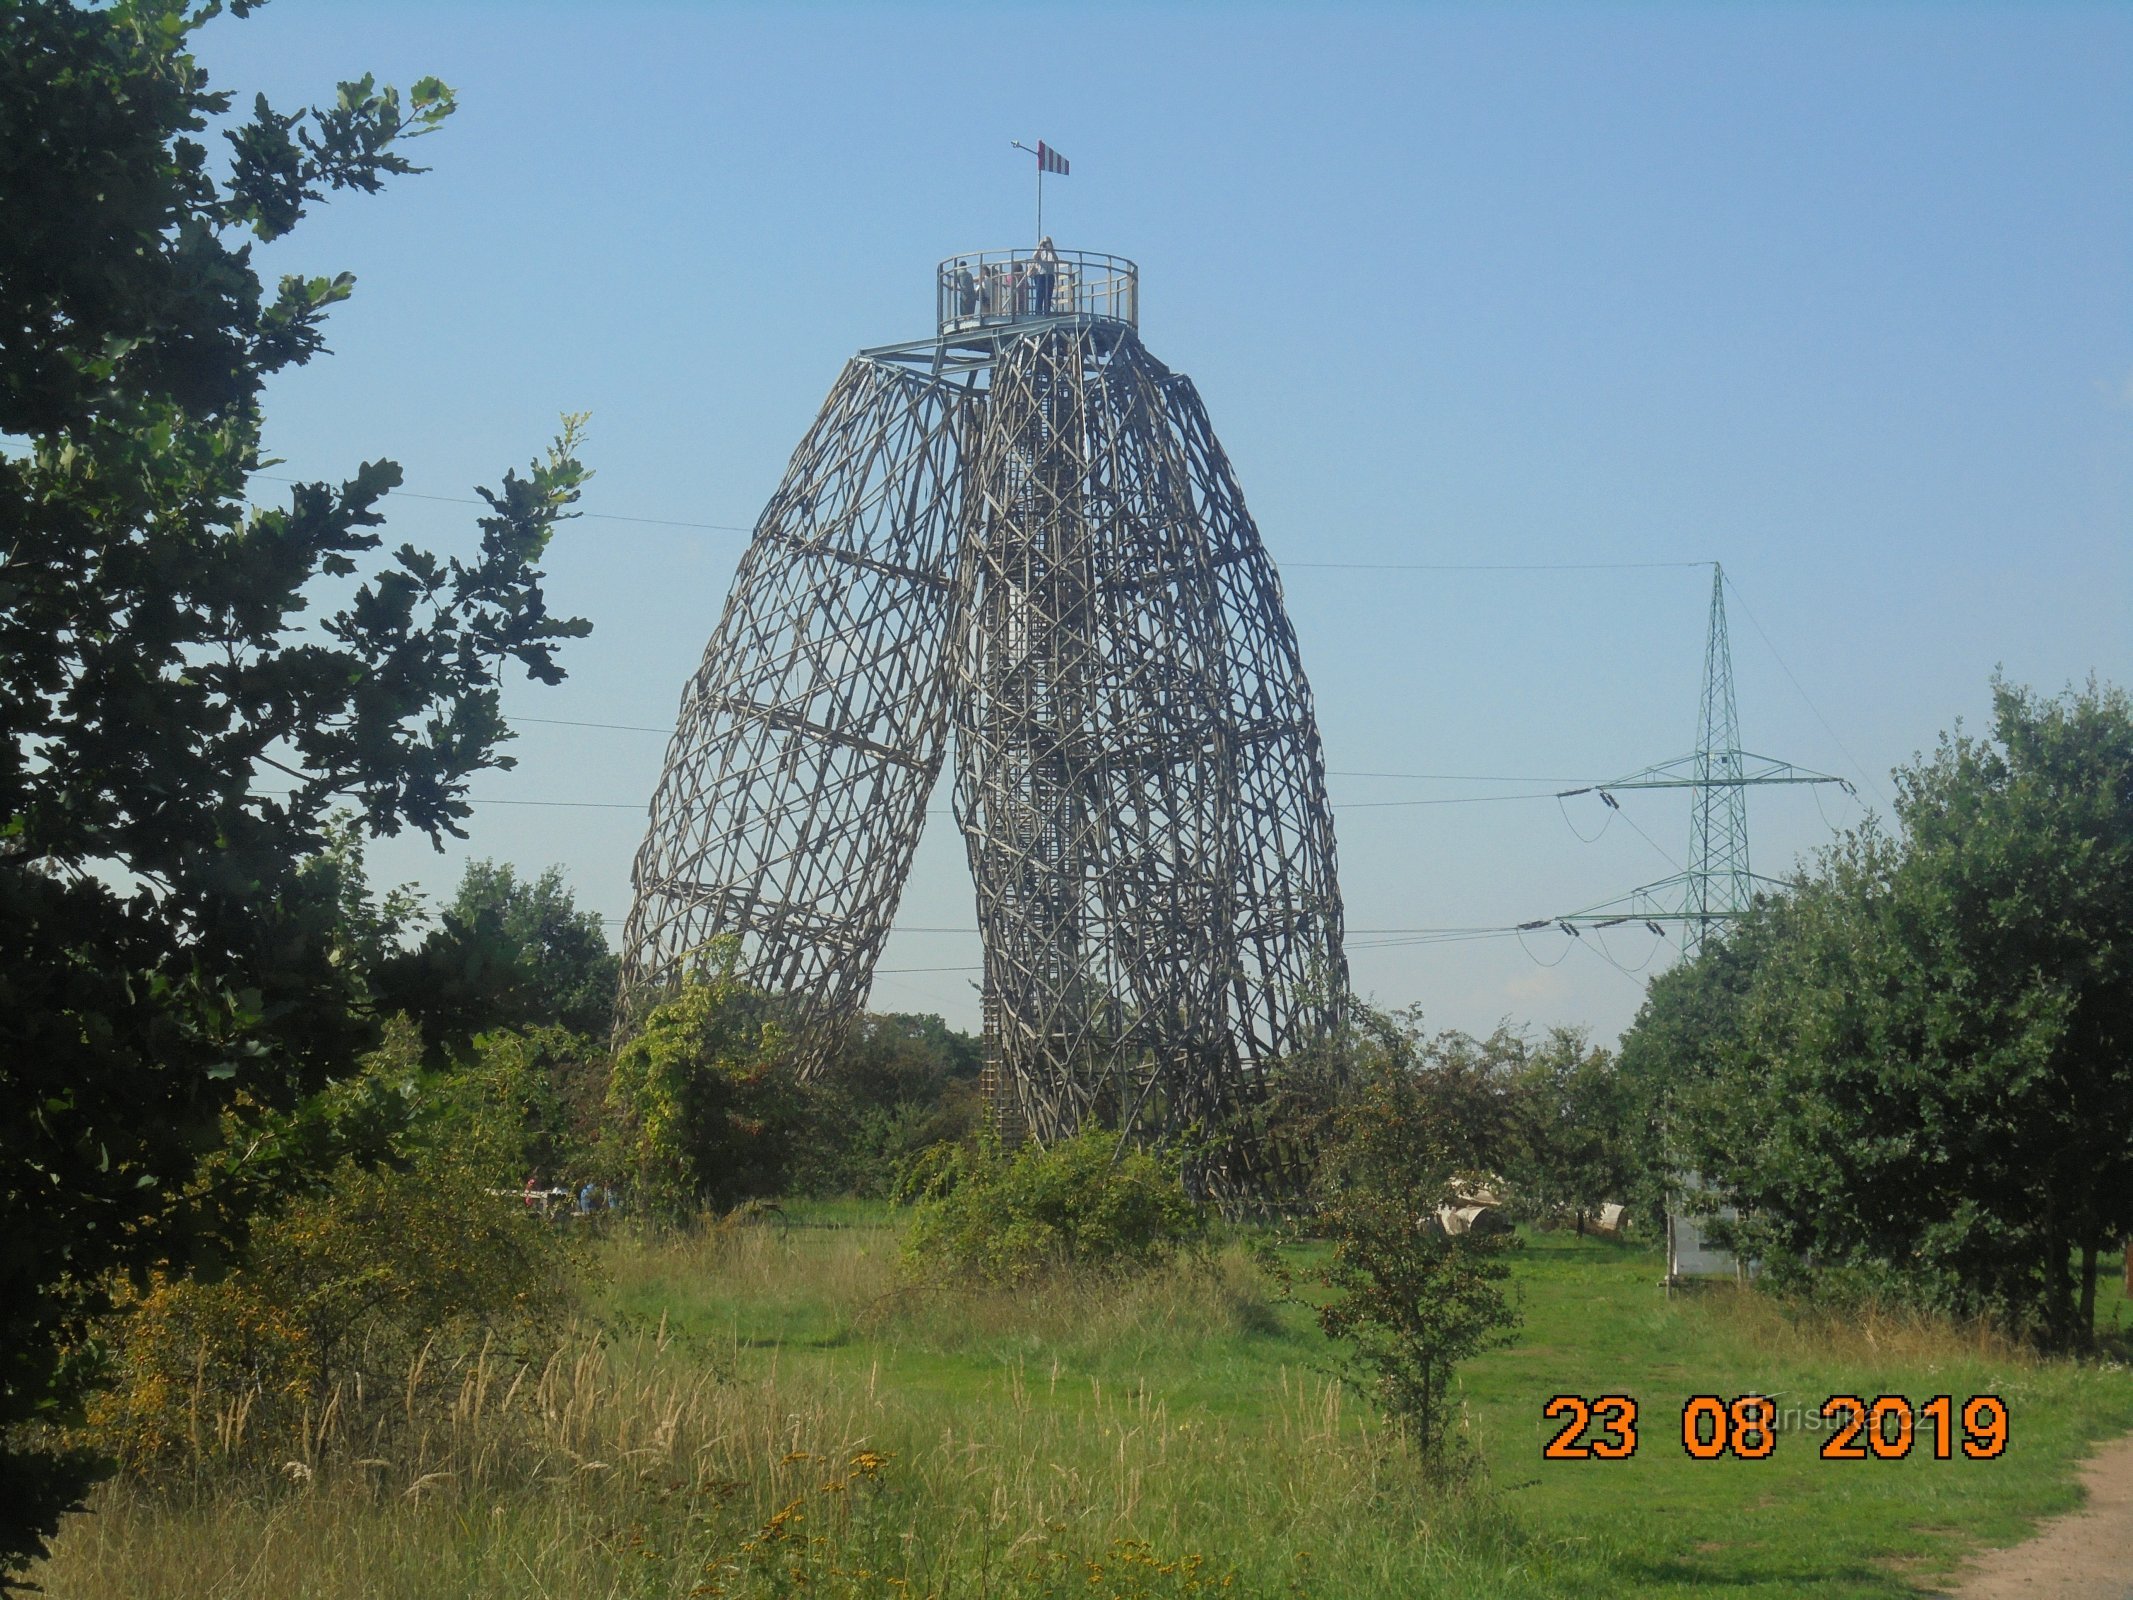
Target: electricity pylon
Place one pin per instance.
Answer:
(1719, 884)
(1020, 536)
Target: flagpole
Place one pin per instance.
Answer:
(1019, 145)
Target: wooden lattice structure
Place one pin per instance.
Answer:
(1020, 539)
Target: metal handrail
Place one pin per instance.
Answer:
(997, 288)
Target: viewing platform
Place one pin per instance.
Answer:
(1000, 288)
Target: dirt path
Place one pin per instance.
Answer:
(2087, 1554)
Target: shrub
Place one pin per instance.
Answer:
(529, 1099)
(339, 1297)
(1004, 1217)
(411, 1238)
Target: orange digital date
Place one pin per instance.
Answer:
(1747, 1427)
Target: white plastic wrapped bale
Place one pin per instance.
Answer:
(1457, 1220)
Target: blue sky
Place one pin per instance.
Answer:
(1837, 295)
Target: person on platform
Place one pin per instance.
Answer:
(966, 291)
(1043, 273)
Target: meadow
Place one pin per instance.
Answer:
(775, 1407)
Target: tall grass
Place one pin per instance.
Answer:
(674, 1457)
(1865, 1327)
(774, 1408)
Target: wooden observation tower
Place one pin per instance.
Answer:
(1018, 539)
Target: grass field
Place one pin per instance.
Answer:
(777, 1410)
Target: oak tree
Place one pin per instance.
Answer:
(193, 680)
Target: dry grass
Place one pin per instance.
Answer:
(1869, 1330)
(671, 1460)
(773, 1409)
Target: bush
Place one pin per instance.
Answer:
(411, 1240)
(707, 1113)
(1003, 1218)
(338, 1299)
(529, 1100)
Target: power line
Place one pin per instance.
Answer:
(1445, 936)
(1457, 777)
(1485, 566)
(1394, 936)
(1796, 684)
(1331, 772)
(594, 516)
(1443, 800)
(1461, 931)
(634, 805)
(569, 722)
(1366, 938)
(1316, 566)
(1358, 940)
(1355, 805)
(1648, 839)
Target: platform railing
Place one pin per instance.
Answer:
(996, 288)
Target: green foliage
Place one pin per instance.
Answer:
(341, 1290)
(1681, 1112)
(526, 1100)
(902, 1083)
(1003, 1218)
(367, 931)
(1410, 1300)
(568, 974)
(1916, 1058)
(177, 724)
(1576, 1152)
(707, 1112)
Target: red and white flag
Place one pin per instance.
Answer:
(1050, 160)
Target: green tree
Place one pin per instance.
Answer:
(1928, 1066)
(1575, 1154)
(2014, 907)
(1413, 1301)
(706, 1111)
(180, 722)
(568, 972)
(1690, 1096)
(902, 1082)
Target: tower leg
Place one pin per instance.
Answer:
(795, 785)
(1022, 718)
(1290, 974)
(1132, 730)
